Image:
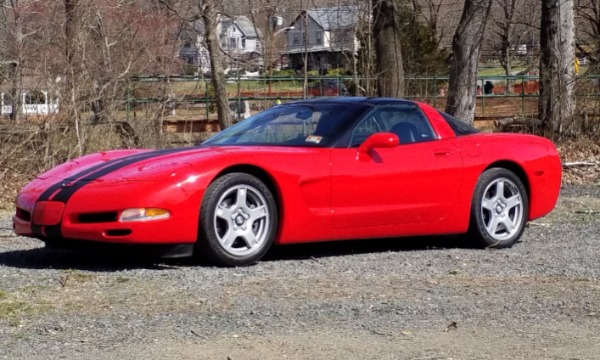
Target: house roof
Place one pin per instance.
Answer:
(247, 27)
(242, 22)
(335, 17)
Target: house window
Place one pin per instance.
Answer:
(304, 39)
(243, 43)
(296, 39)
(319, 37)
(233, 43)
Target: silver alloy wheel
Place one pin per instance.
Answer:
(241, 220)
(502, 209)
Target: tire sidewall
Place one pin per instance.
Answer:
(477, 228)
(208, 244)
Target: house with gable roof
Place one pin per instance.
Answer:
(326, 36)
(238, 38)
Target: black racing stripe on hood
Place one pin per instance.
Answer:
(37, 229)
(65, 194)
(59, 185)
(91, 174)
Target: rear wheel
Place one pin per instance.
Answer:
(499, 209)
(238, 220)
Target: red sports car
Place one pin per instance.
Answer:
(307, 171)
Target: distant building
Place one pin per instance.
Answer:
(327, 36)
(238, 37)
(36, 102)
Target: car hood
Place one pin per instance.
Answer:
(151, 165)
(132, 165)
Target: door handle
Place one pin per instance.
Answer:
(442, 152)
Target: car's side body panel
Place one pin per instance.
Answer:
(536, 157)
(411, 186)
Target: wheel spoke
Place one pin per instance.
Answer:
(513, 201)
(492, 226)
(509, 225)
(223, 212)
(500, 189)
(250, 238)
(242, 194)
(258, 213)
(487, 204)
(229, 238)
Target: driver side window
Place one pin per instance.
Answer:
(364, 129)
(406, 121)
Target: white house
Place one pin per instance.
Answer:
(238, 37)
(326, 35)
(31, 105)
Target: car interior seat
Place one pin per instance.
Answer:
(407, 133)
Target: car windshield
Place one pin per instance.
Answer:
(309, 125)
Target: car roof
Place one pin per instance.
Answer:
(355, 100)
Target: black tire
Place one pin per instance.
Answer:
(238, 221)
(498, 220)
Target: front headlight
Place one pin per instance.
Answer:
(144, 214)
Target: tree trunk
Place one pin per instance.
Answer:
(101, 77)
(557, 65)
(15, 43)
(72, 19)
(506, 62)
(464, 66)
(386, 30)
(210, 19)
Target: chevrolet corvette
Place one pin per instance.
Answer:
(307, 171)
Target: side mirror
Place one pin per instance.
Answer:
(378, 140)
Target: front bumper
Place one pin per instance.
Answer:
(93, 215)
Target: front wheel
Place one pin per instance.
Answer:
(238, 220)
(499, 209)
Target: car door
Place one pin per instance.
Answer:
(406, 189)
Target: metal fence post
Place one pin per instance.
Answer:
(206, 98)
(435, 90)
(522, 95)
(483, 95)
(127, 101)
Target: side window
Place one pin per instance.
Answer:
(409, 123)
(364, 129)
(406, 121)
(460, 128)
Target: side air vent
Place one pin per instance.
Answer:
(23, 214)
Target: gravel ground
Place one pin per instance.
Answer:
(428, 298)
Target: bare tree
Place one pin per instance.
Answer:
(557, 65)
(209, 12)
(589, 29)
(430, 12)
(513, 23)
(386, 31)
(209, 15)
(16, 36)
(464, 65)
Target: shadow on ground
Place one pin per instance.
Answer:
(353, 247)
(48, 258)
